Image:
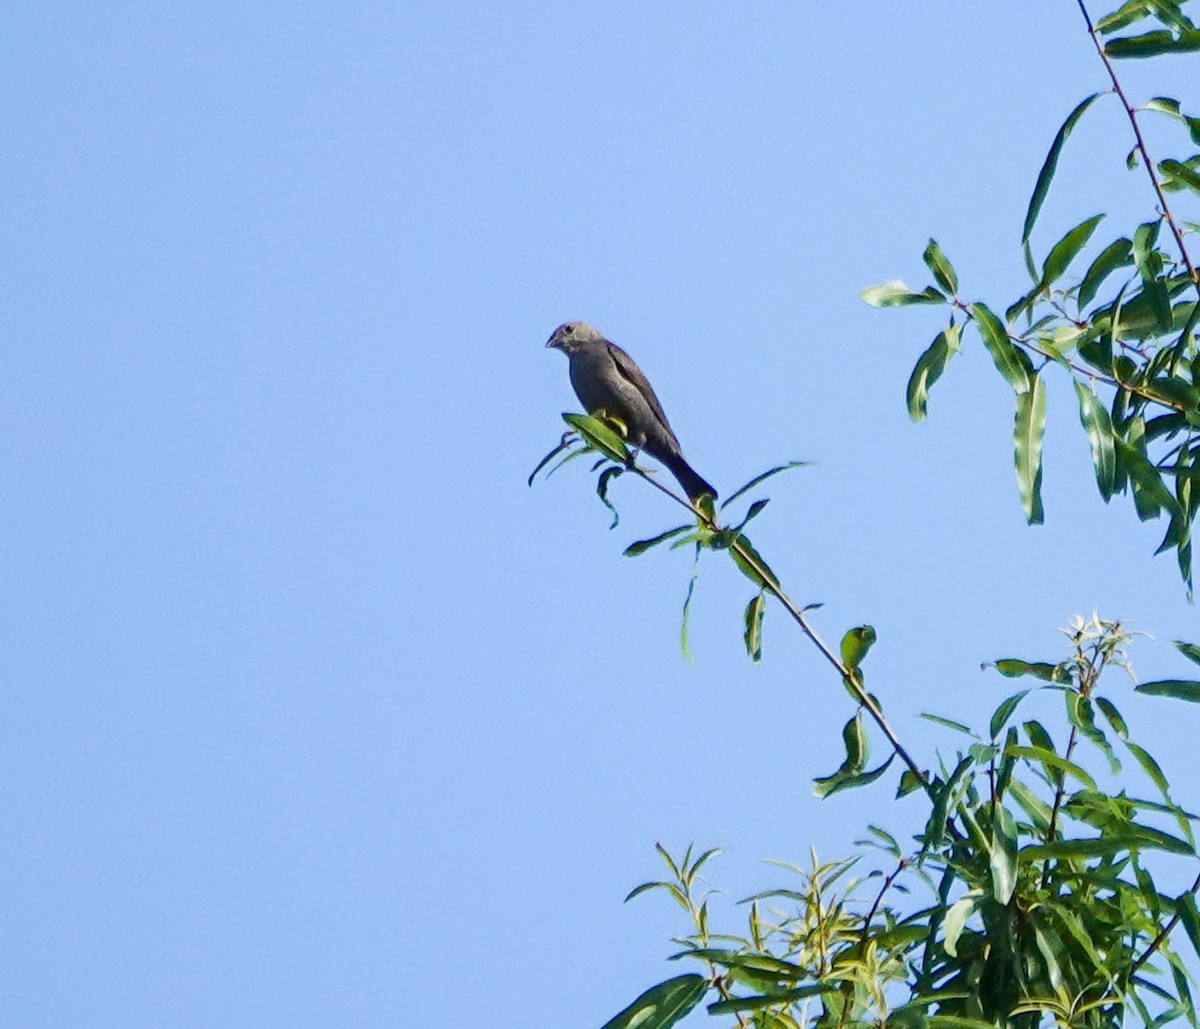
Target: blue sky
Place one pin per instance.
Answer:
(314, 713)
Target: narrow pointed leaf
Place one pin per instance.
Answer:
(1029, 428)
(1180, 689)
(896, 294)
(1117, 254)
(1010, 360)
(1046, 175)
(564, 445)
(1182, 173)
(599, 436)
(1189, 650)
(943, 271)
(928, 370)
(663, 1005)
(641, 546)
(1004, 712)
(1098, 426)
(1002, 854)
(1151, 44)
(1067, 249)
(759, 478)
(753, 626)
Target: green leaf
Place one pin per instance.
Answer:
(663, 1005)
(1150, 496)
(1028, 430)
(1098, 426)
(566, 443)
(753, 512)
(943, 271)
(949, 723)
(737, 1004)
(1149, 766)
(759, 478)
(684, 645)
(750, 561)
(602, 484)
(1113, 716)
(909, 781)
(1151, 44)
(855, 644)
(857, 744)
(1010, 360)
(1046, 175)
(1188, 650)
(1164, 104)
(1067, 249)
(852, 781)
(929, 368)
(753, 626)
(1013, 668)
(896, 294)
(599, 437)
(1189, 918)
(1004, 712)
(1051, 761)
(956, 919)
(1180, 689)
(1002, 854)
(641, 546)
(1126, 14)
(1117, 254)
(1185, 174)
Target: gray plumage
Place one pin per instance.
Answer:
(606, 379)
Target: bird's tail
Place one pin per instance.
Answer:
(689, 479)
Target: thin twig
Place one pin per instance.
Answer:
(850, 677)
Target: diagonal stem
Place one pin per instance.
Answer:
(850, 677)
(1131, 113)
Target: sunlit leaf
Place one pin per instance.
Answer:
(855, 644)
(896, 294)
(1028, 430)
(956, 920)
(1002, 854)
(929, 368)
(753, 626)
(663, 1005)
(599, 436)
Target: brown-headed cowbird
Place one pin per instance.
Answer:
(606, 380)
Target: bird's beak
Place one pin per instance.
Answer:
(552, 341)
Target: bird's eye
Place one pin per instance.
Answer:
(568, 329)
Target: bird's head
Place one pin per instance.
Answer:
(572, 335)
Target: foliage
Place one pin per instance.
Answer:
(1035, 887)
(1118, 314)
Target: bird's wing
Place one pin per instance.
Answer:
(633, 374)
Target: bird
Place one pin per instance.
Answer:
(607, 381)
